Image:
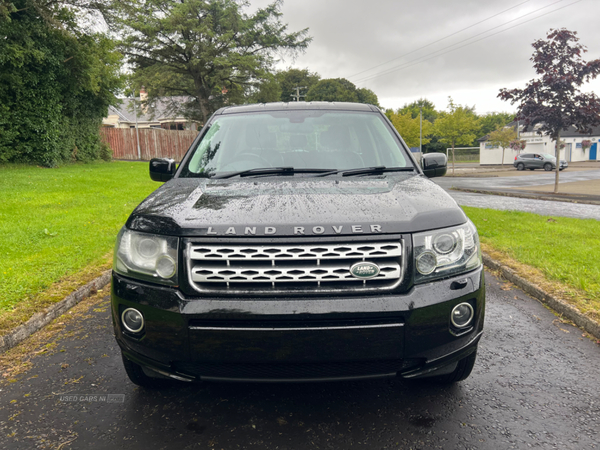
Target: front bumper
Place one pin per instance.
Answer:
(299, 339)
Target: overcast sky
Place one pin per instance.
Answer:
(428, 41)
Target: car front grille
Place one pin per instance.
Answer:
(287, 268)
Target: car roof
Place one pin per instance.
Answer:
(291, 106)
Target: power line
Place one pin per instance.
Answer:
(439, 40)
(450, 49)
(409, 63)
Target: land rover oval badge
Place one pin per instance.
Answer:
(364, 270)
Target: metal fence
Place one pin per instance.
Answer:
(464, 154)
(154, 143)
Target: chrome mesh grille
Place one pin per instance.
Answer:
(274, 268)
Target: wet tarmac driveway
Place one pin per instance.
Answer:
(543, 207)
(535, 385)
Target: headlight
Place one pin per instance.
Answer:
(447, 252)
(147, 257)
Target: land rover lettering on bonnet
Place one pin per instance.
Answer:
(297, 242)
(215, 231)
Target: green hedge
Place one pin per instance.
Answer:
(55, 88)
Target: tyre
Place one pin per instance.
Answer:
(520, 166)
(462, 371)
(137, 376)
(547, 167)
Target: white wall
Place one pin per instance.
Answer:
(541, 144)
(578, 154)
(494, 155)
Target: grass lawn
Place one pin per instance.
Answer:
(466, 161)
(560, 250)
(62, 222)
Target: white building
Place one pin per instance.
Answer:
(573, 150)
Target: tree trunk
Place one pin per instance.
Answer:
(453, 158)
(205, 110)
(557, 154)
(502, 162)
(202, 97)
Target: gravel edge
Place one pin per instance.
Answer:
(557, 304)
(41, 319)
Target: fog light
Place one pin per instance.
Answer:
(461, 315)
(132, 319)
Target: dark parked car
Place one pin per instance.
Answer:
(534, 161)
(298, 242)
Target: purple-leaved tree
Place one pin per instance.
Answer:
(554, 100)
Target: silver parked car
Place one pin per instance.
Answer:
(533, 161)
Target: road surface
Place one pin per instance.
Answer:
(544, 207)
(535, 385)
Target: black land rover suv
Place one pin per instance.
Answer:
(297, 242)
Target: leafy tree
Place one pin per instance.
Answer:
(209, 50)
(290, 78)
(56, 83)
(410, 129)
(429, 114)
(340, 90)
(554, 100)
(458, 126)
(414, 108)
(434, 145)
(502, 137)
(333, 90)
(367, 96)
(268, 90)
(71, 15)
(493, 121)
(6, 8)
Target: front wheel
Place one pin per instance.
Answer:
(520, 166)
(462, 371)
(547, 167)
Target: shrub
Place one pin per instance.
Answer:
(106, 152)
(55, 88)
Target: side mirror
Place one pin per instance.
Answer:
(162, 169)
(434, 164)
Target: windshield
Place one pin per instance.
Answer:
(305, 139)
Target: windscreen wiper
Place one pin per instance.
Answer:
(367, 171)
(270, 171)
